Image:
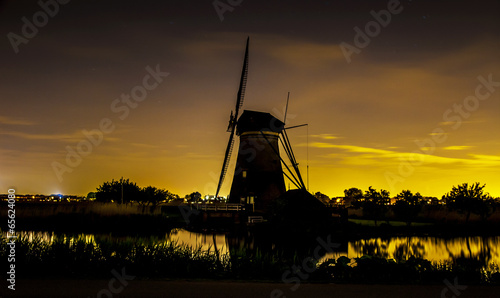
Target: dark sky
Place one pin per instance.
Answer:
(365, 117)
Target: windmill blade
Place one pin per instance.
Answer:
(243, 82)
(233, 120)
(296, 126)
(227, 157)
(286, 109)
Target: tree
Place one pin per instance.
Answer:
(112, 191)
(411, 199)
(153, 196)
(379, 198)
(469, 199)
(408, 205)
(375, 203)
(353, 196)
(193, 197)
(150, 195)
(322, 198)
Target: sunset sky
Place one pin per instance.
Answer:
(423, 76)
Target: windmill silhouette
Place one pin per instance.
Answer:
(258, 177)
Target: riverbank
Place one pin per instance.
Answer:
(55, 288)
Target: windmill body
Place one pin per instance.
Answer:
(258, 176)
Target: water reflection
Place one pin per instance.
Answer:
(287, 247)
(180, 236)
(205, 241)
(484, 250)
(473, 251)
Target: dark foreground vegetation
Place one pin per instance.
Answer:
(466, 210)
(85, 259)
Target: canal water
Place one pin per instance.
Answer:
(434, 249)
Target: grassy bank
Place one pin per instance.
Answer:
(93, 217)
(146, 259)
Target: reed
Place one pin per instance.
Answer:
(70, 257)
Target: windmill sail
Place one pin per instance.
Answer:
(234, 119)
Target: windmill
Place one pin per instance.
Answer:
(258, 176)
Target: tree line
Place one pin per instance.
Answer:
(464, 198)
(124, 191)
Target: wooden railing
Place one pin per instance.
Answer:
(219, 207)
(255, 219)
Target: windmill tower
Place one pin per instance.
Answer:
(258, 176)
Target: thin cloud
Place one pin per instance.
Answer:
(326, 136)
(29, 136)
(142, 145)
(432, 134)
(448, 123)
(303, 53)
(457, 148)
(357, 155)
(15, 121)
(349, 148)
(293, 52)
(493, 158)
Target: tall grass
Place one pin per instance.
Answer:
(67, 257)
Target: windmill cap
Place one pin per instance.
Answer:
(258, 121)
